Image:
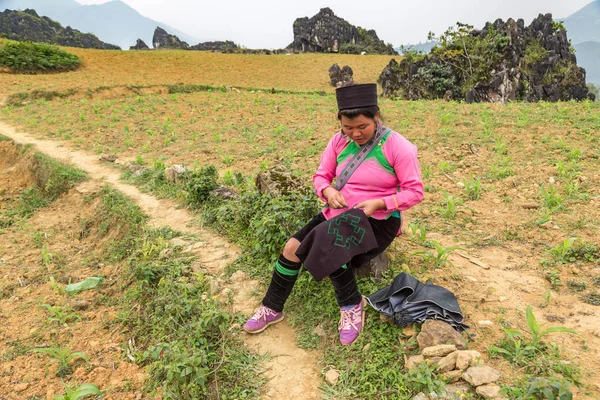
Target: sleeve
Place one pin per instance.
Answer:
(408, 173)
(326, 171)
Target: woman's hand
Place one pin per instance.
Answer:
(370, 206)
(334, 198)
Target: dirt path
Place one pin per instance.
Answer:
(292, 372)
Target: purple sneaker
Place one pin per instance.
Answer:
(351, 323)
(262, 319)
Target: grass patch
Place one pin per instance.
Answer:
(182, 333)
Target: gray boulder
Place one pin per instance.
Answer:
(339, 77)
(327, 33)
(140, 45)
(163, 40)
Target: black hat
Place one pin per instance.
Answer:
(356, 96)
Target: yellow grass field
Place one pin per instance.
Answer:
(300, 72)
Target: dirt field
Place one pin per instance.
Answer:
(509, 184)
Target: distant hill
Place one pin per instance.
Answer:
(424, 48)
(29, 26)
(113, 22)
(584, 25)
(583, 30)
(588, 57)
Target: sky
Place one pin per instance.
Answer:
(268, 23)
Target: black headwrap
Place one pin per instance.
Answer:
(356, 96)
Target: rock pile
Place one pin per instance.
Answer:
(339, 77)
(443, 346)
(514, 62)
(327, 33)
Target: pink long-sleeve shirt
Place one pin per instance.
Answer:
(390, 172)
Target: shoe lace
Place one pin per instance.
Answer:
(350, 319)
(263, 312)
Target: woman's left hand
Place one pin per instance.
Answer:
(370, 206)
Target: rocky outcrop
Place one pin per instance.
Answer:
(339, 77)
(279, 181)
(140, 45)
(216, 46)
(29, 26)
(502, 62)
(164, 40)
(327, 33)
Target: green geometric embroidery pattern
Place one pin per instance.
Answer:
(354, 239)
(352, 148)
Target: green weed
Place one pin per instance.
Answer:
(527, 349)
(449, 208)
(64, 357)
(439, 258)
(61, 315)
(551, 198)
(79, 392)
(473, 188)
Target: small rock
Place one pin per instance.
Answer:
(478, 376)
(420, 396)
(485, 322)
(502, 298)
(490, 391)
(576, 270)
(466, 358)
(409, 330)
(441, 350)
(332, 377)
(412, 361)
(551, 180)
(472, 279)
(239, 276)
(21, 387)
(108, 157)
(165, 253)
(174, 173)
(320, 331)
(460, 184)
(452, 376)
(447, 363)
(434, 332)
(80, 305)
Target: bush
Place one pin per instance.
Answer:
(28, 57)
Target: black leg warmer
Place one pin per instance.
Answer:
(346, 289)
(284, 277)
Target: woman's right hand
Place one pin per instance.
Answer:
(334, 198)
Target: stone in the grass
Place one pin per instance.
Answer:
(489, 391)
(478, 376)
(434, 332)
(441, 350)
(447, 363)
(332, 377)
(466, 358)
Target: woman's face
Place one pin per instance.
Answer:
(360, 129)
